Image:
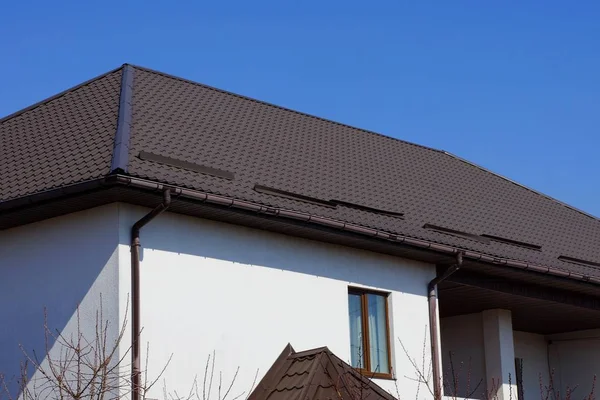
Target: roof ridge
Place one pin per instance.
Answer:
(282, 361)
(345, 369)
(309, 352)
(309, 387)
(283, 108)
(548, 197)
(340, 378)
(120, 155)
(58, 95)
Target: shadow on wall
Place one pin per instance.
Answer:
(463, 356)
(55, 264)
(205, 238)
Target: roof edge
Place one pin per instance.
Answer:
(341, 226)
(521, 185)
(18, 203)
(306, 218)
(309, 352)
(280, 362)
(364, 379)
(120, 156)
(56, 96)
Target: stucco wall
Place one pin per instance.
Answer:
(56, 264)
(463, 336)
(245, 294)
(532, 348)
(575, 358)
(242, 293)
(463, 352)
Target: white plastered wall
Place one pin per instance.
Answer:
(56, 264)
(575, 359)
(532, 349)
(245, 293)
(463, 356)
(463, 336)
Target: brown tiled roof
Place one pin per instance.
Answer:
(63, 140)
(150, 125)
(315, 374)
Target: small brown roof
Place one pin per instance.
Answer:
(315, 374)
(149, 125)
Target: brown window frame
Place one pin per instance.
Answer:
(366, 371)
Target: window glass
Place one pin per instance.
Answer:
(369, 335)
(378, 341)
(356, 347)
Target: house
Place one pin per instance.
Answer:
(204, 222)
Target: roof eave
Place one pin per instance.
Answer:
(309, 220)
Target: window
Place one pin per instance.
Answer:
(369, 332)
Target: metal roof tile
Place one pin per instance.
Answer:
(62, 140)
(317, 376)
(69, 138)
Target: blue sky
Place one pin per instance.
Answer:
(511, 85)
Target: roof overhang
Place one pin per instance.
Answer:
(535, 308)
(121, 188)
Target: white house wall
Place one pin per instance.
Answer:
(463, 356)
(533, 350)
(56, 264)
(244, 294)
(575, 359)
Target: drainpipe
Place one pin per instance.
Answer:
(135, 291)
(436, 349)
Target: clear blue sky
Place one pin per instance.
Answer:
(511, 85)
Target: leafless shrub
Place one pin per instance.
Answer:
(453, 381)
(422, 370)
(551, 392)
(76, 367)
(456, 376)
(223, 390)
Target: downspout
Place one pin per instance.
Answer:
(135, 291)
(434, 333)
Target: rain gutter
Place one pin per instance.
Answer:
(244, 205)
(194, 195)
(135, 292)
(434, 327)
